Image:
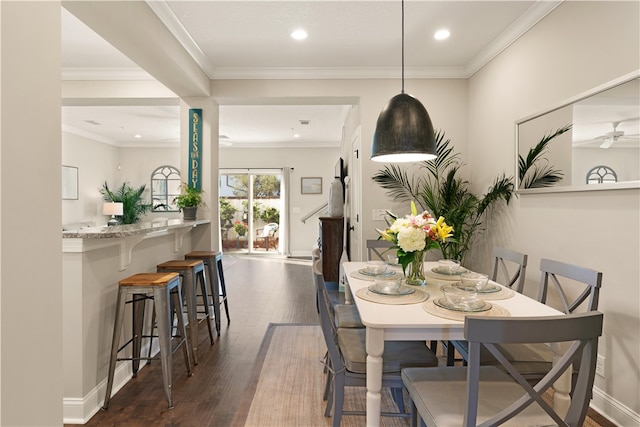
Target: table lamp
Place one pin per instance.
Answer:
(113, 209)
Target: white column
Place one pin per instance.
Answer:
(31, 374)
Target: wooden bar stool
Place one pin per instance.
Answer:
(191, 271)
(164, 290)
(213, 261)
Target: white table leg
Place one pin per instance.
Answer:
(375, 348)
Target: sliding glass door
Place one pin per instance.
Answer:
(250, 207)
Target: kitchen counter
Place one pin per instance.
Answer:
(106, 232)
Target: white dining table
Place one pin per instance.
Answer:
(394, 322)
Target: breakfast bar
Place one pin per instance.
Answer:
(94, 260)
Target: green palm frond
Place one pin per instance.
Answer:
(445, 156)
(532, 175)
(540, 177)
(397, 182)
(502, 188)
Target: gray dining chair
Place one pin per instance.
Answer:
(346, 364)
(376, 249)
(565, 287)
(509, 269)
(476, 395)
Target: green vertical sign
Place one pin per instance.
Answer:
(195, 148)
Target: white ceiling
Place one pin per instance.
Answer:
(250, 39)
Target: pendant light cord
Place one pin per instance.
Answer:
(402, 46)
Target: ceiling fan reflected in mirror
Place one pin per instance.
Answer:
(612, 137)
(609, 138)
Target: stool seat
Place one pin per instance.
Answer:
(148, 279)
(213, 262)
(164, 290)
(180, 263)
(202, 255)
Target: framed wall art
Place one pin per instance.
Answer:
(311, 185)
(69, 183)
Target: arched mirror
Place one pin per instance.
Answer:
(558, 147)
(165, 187)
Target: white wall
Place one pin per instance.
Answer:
(96, 162)
(580, 45)
(308, 162)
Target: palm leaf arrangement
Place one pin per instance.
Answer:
(534, 171)
(444, 193)
(133, 206)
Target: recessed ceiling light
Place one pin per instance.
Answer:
(299, 34)
(296, 135)
(442, 34)
(137, 136)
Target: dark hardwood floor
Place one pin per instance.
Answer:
(260, 291)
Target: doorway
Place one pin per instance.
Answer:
(251, 203)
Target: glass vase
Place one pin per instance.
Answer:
(415, 270)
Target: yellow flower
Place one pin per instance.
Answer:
(442, 229)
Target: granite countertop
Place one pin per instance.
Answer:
(106, 232)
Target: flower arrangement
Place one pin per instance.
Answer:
(240, 228)
(412, 236)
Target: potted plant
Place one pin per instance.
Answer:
(188, 201)
(133, 205)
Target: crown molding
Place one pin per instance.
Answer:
(175, 27)
(107, 74)
(310, 73)
(101, 139)
(531, 17)
(287, 145)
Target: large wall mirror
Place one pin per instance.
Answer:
(569, 147)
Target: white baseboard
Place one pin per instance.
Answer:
(80, 410)
(301, 253)
(614, 410)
